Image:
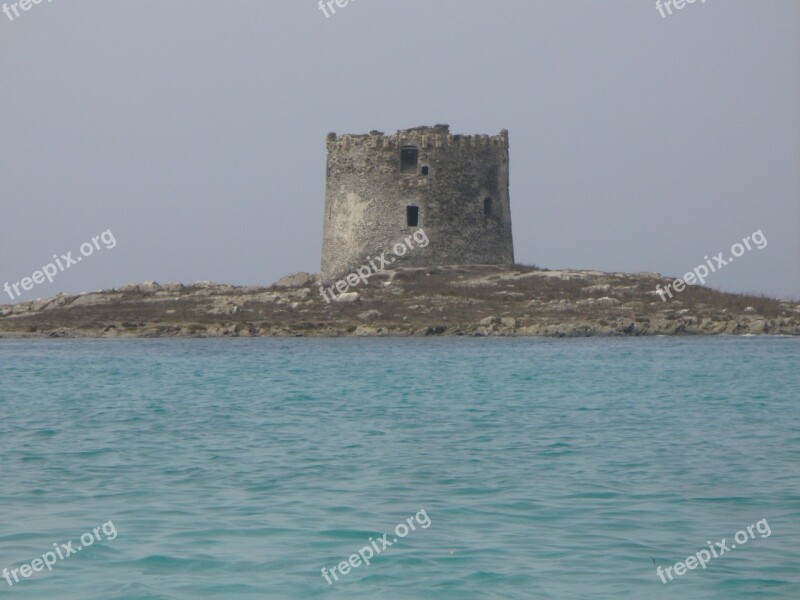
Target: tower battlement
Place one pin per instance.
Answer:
(438, 136)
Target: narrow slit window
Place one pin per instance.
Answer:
(425, 170)
(412, 216)
(487, 207)
(409, 156)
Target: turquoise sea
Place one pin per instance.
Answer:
(239, 468)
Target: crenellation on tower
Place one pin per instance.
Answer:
(423, 137)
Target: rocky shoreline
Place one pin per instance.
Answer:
(471, 301)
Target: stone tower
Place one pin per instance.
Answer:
(380, 189)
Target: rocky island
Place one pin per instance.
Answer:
(413, 301)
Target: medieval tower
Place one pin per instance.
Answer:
(381, 189)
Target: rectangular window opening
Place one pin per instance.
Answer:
(409, 156)
(412, 216)
(487, 207)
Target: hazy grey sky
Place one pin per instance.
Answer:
(195, 130)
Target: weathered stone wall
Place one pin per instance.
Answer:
(367, 195)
